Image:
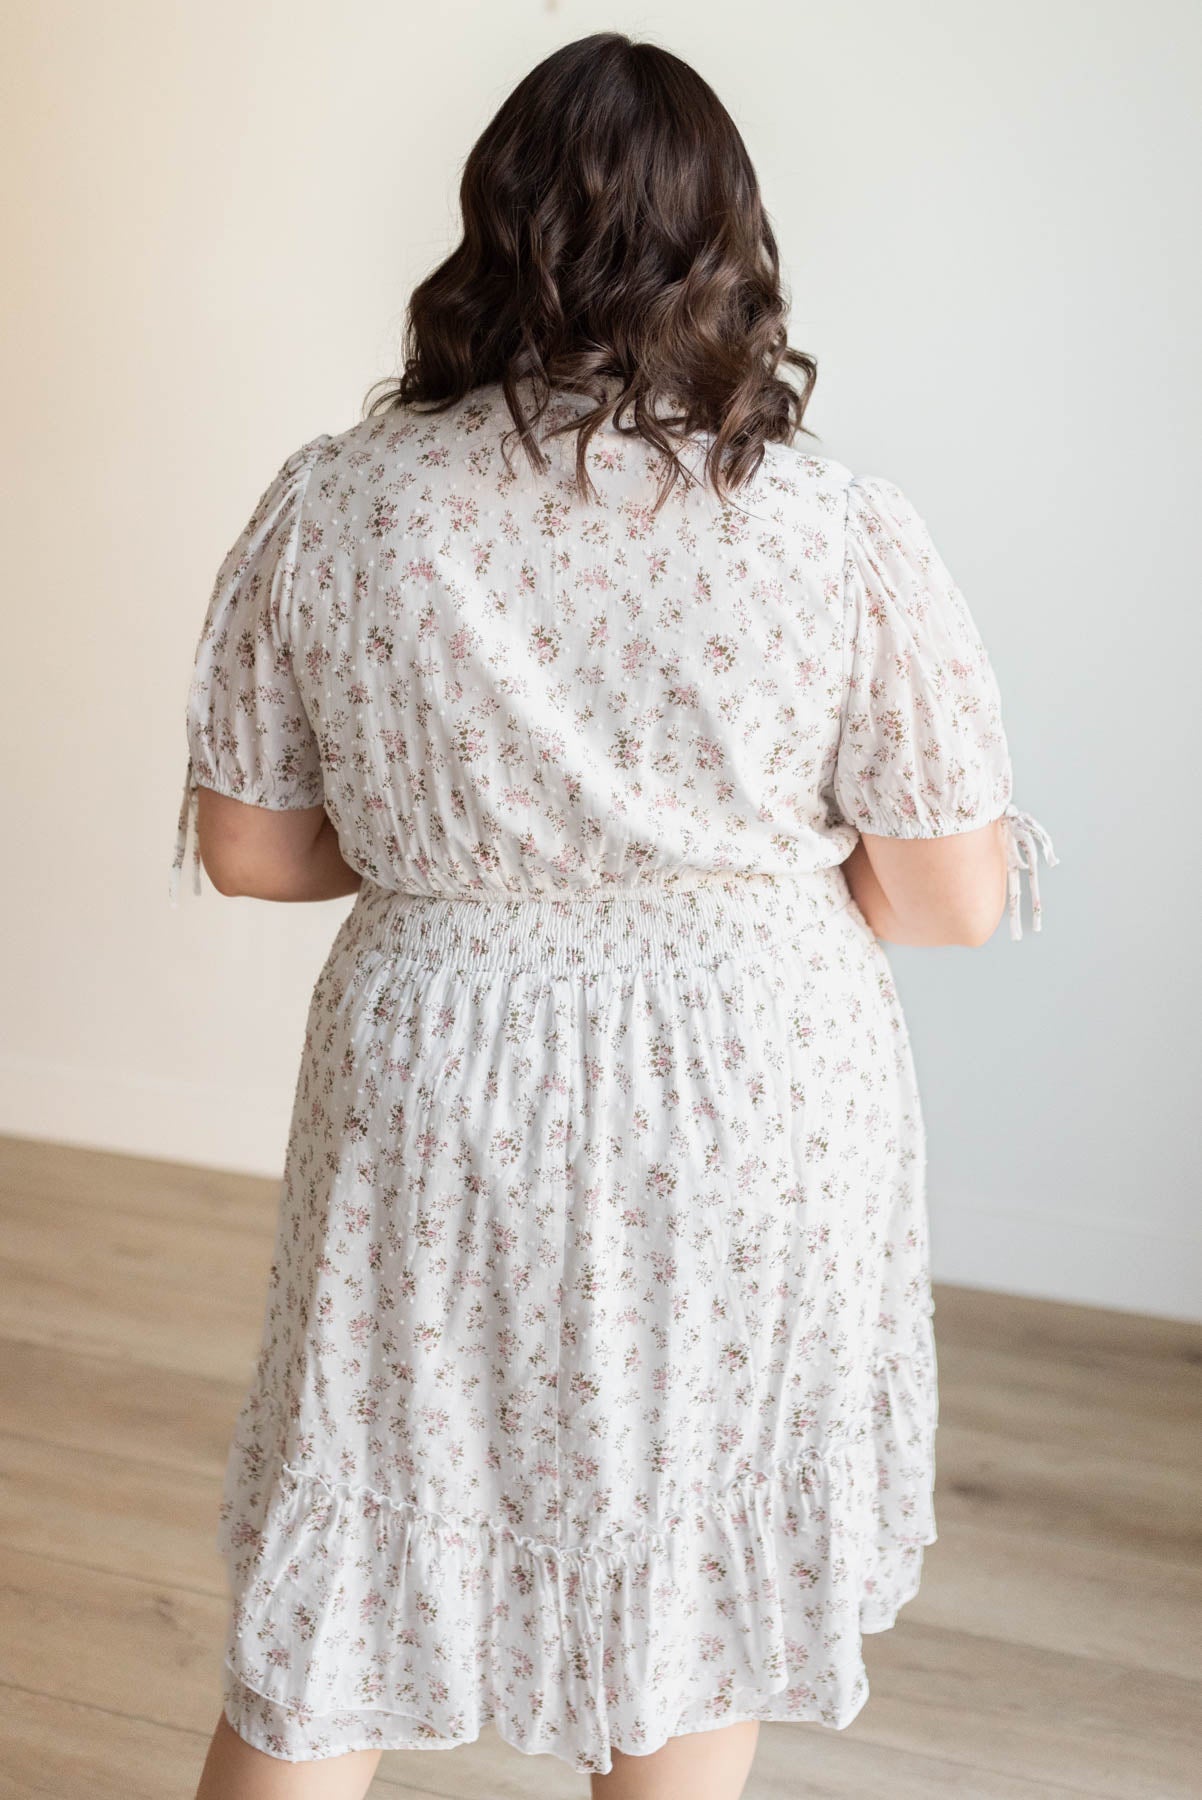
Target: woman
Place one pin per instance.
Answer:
(597, 1389)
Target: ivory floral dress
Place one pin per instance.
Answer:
(597, 1391)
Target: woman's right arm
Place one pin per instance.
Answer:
(263, 854)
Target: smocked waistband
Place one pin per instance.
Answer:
(643, 923)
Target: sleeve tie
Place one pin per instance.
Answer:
(188, 814)
(1023, 836)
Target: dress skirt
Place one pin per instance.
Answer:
(596, 1394)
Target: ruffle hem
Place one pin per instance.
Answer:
(748, 1606)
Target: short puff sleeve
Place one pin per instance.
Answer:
(248, 735)
(922, 747)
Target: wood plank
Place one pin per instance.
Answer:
(1077, 1598)
(165, 1417)
(1032, 1714)
(40, 1175)
(1050, 1330)
(1076, 1495)
(64, 1750)
(1134, 1409)
(110, 1514)
(161, 1644)
(795, 1761)
(104, 1282)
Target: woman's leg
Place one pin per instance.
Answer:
(235, 1770)
(705, 1765)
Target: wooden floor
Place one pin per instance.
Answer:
(1055, 1648)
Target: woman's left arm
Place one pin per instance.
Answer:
(265, 854)
(939, 890)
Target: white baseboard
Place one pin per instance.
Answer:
(140, 1115)
(1092, 1262)
(1015, 1250)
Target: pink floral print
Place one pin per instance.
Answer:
(596, 1392)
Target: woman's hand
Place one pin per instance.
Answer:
(267, 854)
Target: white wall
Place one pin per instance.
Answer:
(213, 217)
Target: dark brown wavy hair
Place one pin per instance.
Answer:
(615, 245)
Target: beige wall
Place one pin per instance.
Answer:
(213, 216)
